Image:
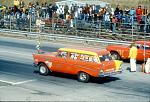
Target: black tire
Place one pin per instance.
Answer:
(83, 77)
(43, 69)
(115, 56)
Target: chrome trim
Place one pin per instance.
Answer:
(104, 74)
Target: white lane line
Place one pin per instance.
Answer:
(16, 83)
(22, 82)
(8, 82)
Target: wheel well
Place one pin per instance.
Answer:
(41, 63)
(116, 53)
(83, 72)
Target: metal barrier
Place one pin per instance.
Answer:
(87, 29)
(59, 37)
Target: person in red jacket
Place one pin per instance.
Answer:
(139, 13)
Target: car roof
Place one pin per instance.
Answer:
(90, 51)
(143, 42)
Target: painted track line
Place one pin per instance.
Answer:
(17, 83)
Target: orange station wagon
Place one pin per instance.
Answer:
(81, 62)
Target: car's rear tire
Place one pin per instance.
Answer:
(115, 56)
(83, 77)
(43, 69)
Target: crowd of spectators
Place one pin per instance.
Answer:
(111, 18)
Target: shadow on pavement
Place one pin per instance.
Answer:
(74, 77)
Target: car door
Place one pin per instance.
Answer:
(141, 51)
(147, 52)
(82, 62)
(59, 62)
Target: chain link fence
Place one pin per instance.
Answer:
(92, 29)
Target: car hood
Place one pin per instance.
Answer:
(118, 46)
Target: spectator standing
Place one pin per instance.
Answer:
(18, 14)
(50, 11)
(54, 7)
(107, 21)
(66, 8)
(43, 11)
(93, 9)
(132, 56)
(139, 13)
(21, 4)
(148, 23)
(114, 21)
(54, 20)
(116, 12)
(23, 18)
(68, 21)
(132, 15)
(132, 12)
(144, 17)
(101, 13)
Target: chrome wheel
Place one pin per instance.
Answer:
(83, 77)
(115, 56)
(43, 70)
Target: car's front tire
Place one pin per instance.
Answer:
(115, 56)
(43, 69)
(83, 77)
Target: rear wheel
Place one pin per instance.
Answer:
(83, 77)
(115, 56)
(43, 69)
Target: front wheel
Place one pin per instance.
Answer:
(83, 77)
(43, 69)
(115, 56)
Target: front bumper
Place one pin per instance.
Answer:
(104, 74)
(35, 65)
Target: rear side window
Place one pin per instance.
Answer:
(74, 56)
(105, 57)
(88, 58)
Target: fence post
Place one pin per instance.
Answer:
(76, 26)
(10, 22)
(132, 26)
(30, 22)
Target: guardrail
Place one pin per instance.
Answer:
(125, 31)
(69, 38)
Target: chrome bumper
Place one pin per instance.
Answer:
(104, 74)
(35, 65)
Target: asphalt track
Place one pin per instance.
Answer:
(20, 80)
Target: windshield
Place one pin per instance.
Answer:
(105, 57)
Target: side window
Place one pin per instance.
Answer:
(105, 57)
(84, 57)
(74, 56)
(88, 58)
(62, 54)
(139, 46)
(146, 47)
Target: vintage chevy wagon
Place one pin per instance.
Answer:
(122, 51)
(81, 62)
